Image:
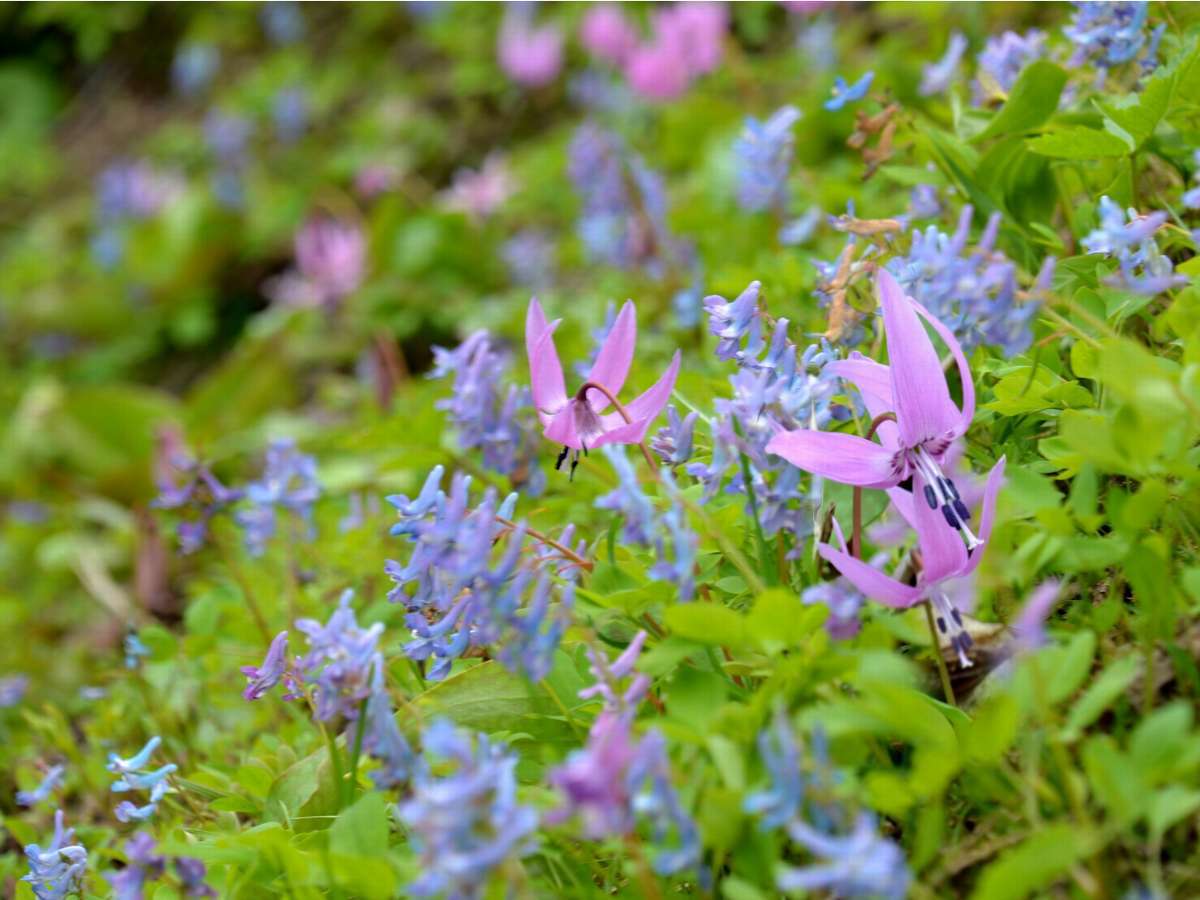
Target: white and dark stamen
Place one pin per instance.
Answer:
(941, 493)
(950, 625)
(587, 426)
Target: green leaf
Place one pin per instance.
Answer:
(1033, 100)
(1114, 780)
(1069, 666)
(993, 729)
(1137, 115)
(1170, 805)
(707, 623)
(780, 618)
(292, 789)
(362, 828)
(1100, 695)
(1034, 864)
(1078, 142)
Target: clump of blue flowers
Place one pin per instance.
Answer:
(849, 856)
(497, 422)
(136, 775)
(1111, 34)
(339, 662)
(470, 582)
(1001, 62)
(463, 817)
(1142, 269)
(777, 386)
(764, 158)
(57, 870)
(288, 484)
(189, 488)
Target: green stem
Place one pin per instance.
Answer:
(335, 763)
(764, 549)
(943, 672)
(563, 708)
(244, 586)
(359, 733)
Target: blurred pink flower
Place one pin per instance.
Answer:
(657, 71)
(688, 42)
(373, 180)
(531, 56)
(607, 34)
(331, 257)
(480, 193)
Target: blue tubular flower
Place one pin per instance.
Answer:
(143, 781)
(529, 257)
(187, 486)
(382, 740)
(1143, 269)
(58, 870)
(781, 801)
(673, 443)
(972, 290)
(138, 761)
(843, 93)
(340, 661)
(1002, 61)
(193, 68)
(798, 231)
(127, 811)
(628, 500)
(500, 423)
(192, 873)
(288, 482)
(52, 780)
(764, 156)
(675, 836)
(860, 864)
(134, 649)
(1110, 34)
(938, 76)
(843, 600)
(733, 321)
(463, 816)
(142, 865)
(262, 678)
(923, 202)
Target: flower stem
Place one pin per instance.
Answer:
(538, 536)
(244, 586)
(359, 733)
(943, 672)
(335, 763)
(764, 550)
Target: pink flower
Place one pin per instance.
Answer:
(697, 30)
(373, 180)
(580, 422)
(331, 255)
(657, 71)
(607, 34)
(530, 55)
(480, 193)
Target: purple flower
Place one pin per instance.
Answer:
(673, 443)
(859, 864)
(382, 740)
(264, 677)
(594, 779)
(843, 93)
(1029, 628)
(529, 256)
(530, 55)
(289, 483)
(51, 782)
(688, 41)
(764, 155)
(1002, 61)
(134, 190)
(331, 257)
(609, 677)
(923, 202)
(339, 662)
(657, 71)
(843, 600)
(192, 873)
(142, 865)
(12, 690)
(937, 77)
(57, 870)
(463, 817)
(282, 21)
(499, 423)
(289, 111)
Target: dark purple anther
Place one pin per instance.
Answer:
(930, 497)
(949, 514)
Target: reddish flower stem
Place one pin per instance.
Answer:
(856, 534)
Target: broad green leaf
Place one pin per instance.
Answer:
(707, 623)
(1034, 864)
(1115, 780)
(1100, 695)
(362, 828)
(992, 730)
(294, 787)
(1136, 116)
(1078, 142)
(1032, 100)
(1170, 805)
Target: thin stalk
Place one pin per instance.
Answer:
(359, 733)
(335, 763)
(764, 549)
(244, 587)
(562, 708)
(943, 672)
(538, 536)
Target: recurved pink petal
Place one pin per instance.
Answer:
(923, 407)
(874, 383)
(842, 457)
(987, 516)
(546, 375)
(615, 356)
(943, 553)
(964, 371)
(535, 324)
(561, 429)
(643, 409)
(876, 585)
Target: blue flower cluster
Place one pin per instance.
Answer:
(190, 487)
(1002, 61)
(850, 857)
(470, 576)
(764, 158)
(1109, 34)
(340, 661)
(56, 871)
(144, 864)
(973, 290)
(135, 775)
(674, 543)
(1142, 268)
(777, 386)
(499, 423)
(289, 484)
(49, 783)
(462, 814)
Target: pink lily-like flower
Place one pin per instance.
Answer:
(580, 422)
(943, 559)
(927, 420)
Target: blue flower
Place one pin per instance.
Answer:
(1002, 61)
(288, 483)
(673, 443)
(781, 801)
(463, 816)
(843, 93)
(858, 864)
(938, 76)
(264, 677)
(764, 157)
(339, 662)
(676, 838)
(1141, 268)
(135, 650)
(57, 870)
(52, 780)
(194, 67)
(1110, 34)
